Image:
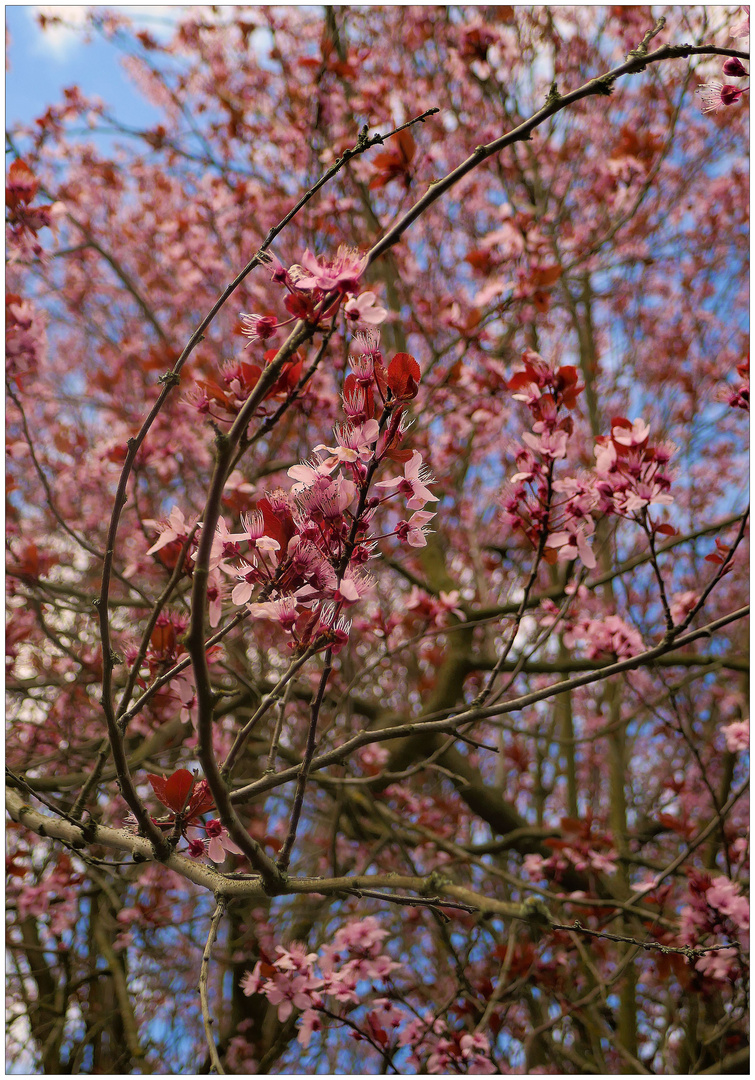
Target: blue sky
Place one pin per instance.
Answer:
(43, 62)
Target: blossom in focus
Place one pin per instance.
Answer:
(175, 528)
(735, 69)
(341, 273)
(413, 531)
(716, 95)
(258, 327)
(413, 483)
(364, 308)
(219, 842)
(572, 545)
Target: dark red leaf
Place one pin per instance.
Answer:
(173, 791)
(403, 376)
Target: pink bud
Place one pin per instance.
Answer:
(735, 68)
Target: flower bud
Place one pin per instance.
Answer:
(735, 68)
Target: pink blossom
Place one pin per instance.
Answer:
(572, 544)
(341, 273)
(295, 959)
(723, 895)
(737, 735)
(327, 498)
(219, 842)
(309, 1023)
(258, 327)
(251, 983)
(353, 586)
(353, 443)
(413, 531)
(216, 593)
(225, 546)
(634, 436)
(307, 472)
(278, 272)
(363, 308)
(716, 95)
(550, 444)
(412, 483)
(717, 965)
(175, 528)
(283, 611)
(290, 992)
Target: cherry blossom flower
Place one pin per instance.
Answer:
(742, 28)
(354, 585)
(283, 611)
(341, 273)
(717, 965)
(551, 444)
(413, 531)
(258, 327)
(310, 1022)
(176, 528)
(716, 95)
(278, 272)
(307, 472)
(364, 308)
(353, 444)
(634, 435)
(225, 546)
(724, 895)
(413, 483)
(251, 981)
(737, 735)
(327, 498)
(219, 842)
(572, 544)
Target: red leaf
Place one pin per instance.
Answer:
(200, 802)
(21, 186)
(173, 791)
(279, 526)
(403, 376)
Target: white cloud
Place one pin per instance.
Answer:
(58, 39)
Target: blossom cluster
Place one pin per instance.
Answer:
(559, 515)
(716, 95)
(716, 907)
(291, 982)
(336, 978)
(299, 558)
(315, 289)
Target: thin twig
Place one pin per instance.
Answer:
(204, 973)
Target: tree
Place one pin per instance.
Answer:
(376, 621)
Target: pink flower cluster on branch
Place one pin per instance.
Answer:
(716, 95)
(308, 283)
(628, 476)
(333, 984)
(717, 907)
(299, 557)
